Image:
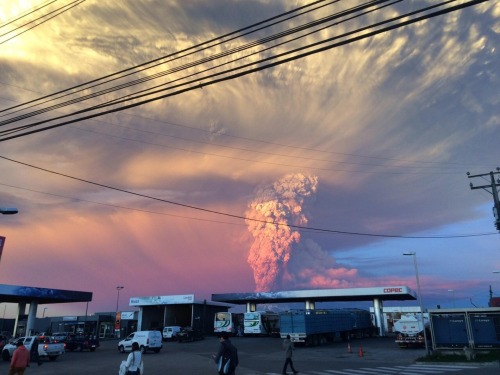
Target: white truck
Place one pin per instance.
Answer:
(47, 348)
(410, 331)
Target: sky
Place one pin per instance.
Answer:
(315, 173)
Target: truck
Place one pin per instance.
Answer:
(316, 327)
(410, 331)
(47, 348)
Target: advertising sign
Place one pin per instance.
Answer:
(161, 300)
(127, 315)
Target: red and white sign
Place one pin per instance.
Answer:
(2, 241)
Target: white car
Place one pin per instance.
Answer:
(170, 332)
(147, 340)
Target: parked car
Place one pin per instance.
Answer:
(60, 336)
(189, 334)
(81, 342)
(147, 340)
(171, 332)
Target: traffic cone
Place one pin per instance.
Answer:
(361, 354)
(349, 347)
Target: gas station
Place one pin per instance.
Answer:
(34, 296)
(310, 297)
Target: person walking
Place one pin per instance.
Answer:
(227, 352)
(289, 348)
(34, 355)
(134, 363)
(20, 359)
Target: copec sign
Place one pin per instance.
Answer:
(393, 290)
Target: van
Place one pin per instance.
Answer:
(170, 332)
(147, 340)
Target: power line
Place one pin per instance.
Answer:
(67, 6)
(234, 216)
(235, 72)
(228, 52)
(35, 9)
(144, 66)
(426, 163)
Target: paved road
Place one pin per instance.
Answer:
(259, 356)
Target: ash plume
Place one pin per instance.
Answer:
(282, 202)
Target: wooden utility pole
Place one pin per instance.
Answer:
(494, 191)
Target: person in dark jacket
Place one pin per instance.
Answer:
(227, 351)
(288, 347)
(34, 355)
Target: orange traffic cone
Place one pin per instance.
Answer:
(349, 347)
(361, 354)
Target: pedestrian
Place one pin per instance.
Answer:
(289, 348)
(20, 359)
(227, 356)
(134, 365)
(34, 354)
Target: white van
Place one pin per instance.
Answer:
(170, 332)
(147, 340)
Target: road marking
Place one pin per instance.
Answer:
(416, 369)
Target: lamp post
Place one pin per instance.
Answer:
(117, 319)
(414, 254)
(118, 288)
(453, 295)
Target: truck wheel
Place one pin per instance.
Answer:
(6, 355)
(121, 349)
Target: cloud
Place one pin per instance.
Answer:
(279, 203)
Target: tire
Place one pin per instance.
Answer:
(121, 349)
(6, 355)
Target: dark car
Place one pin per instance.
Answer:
(60, 336)
(81, 342)
(189, 334)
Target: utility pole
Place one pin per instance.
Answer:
(494, 191)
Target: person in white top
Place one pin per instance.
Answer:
(134, 361)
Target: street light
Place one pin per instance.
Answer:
(414, 254)
(118, 288)
(8, 210)
(452, 291)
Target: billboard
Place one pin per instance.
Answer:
(161, 300)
